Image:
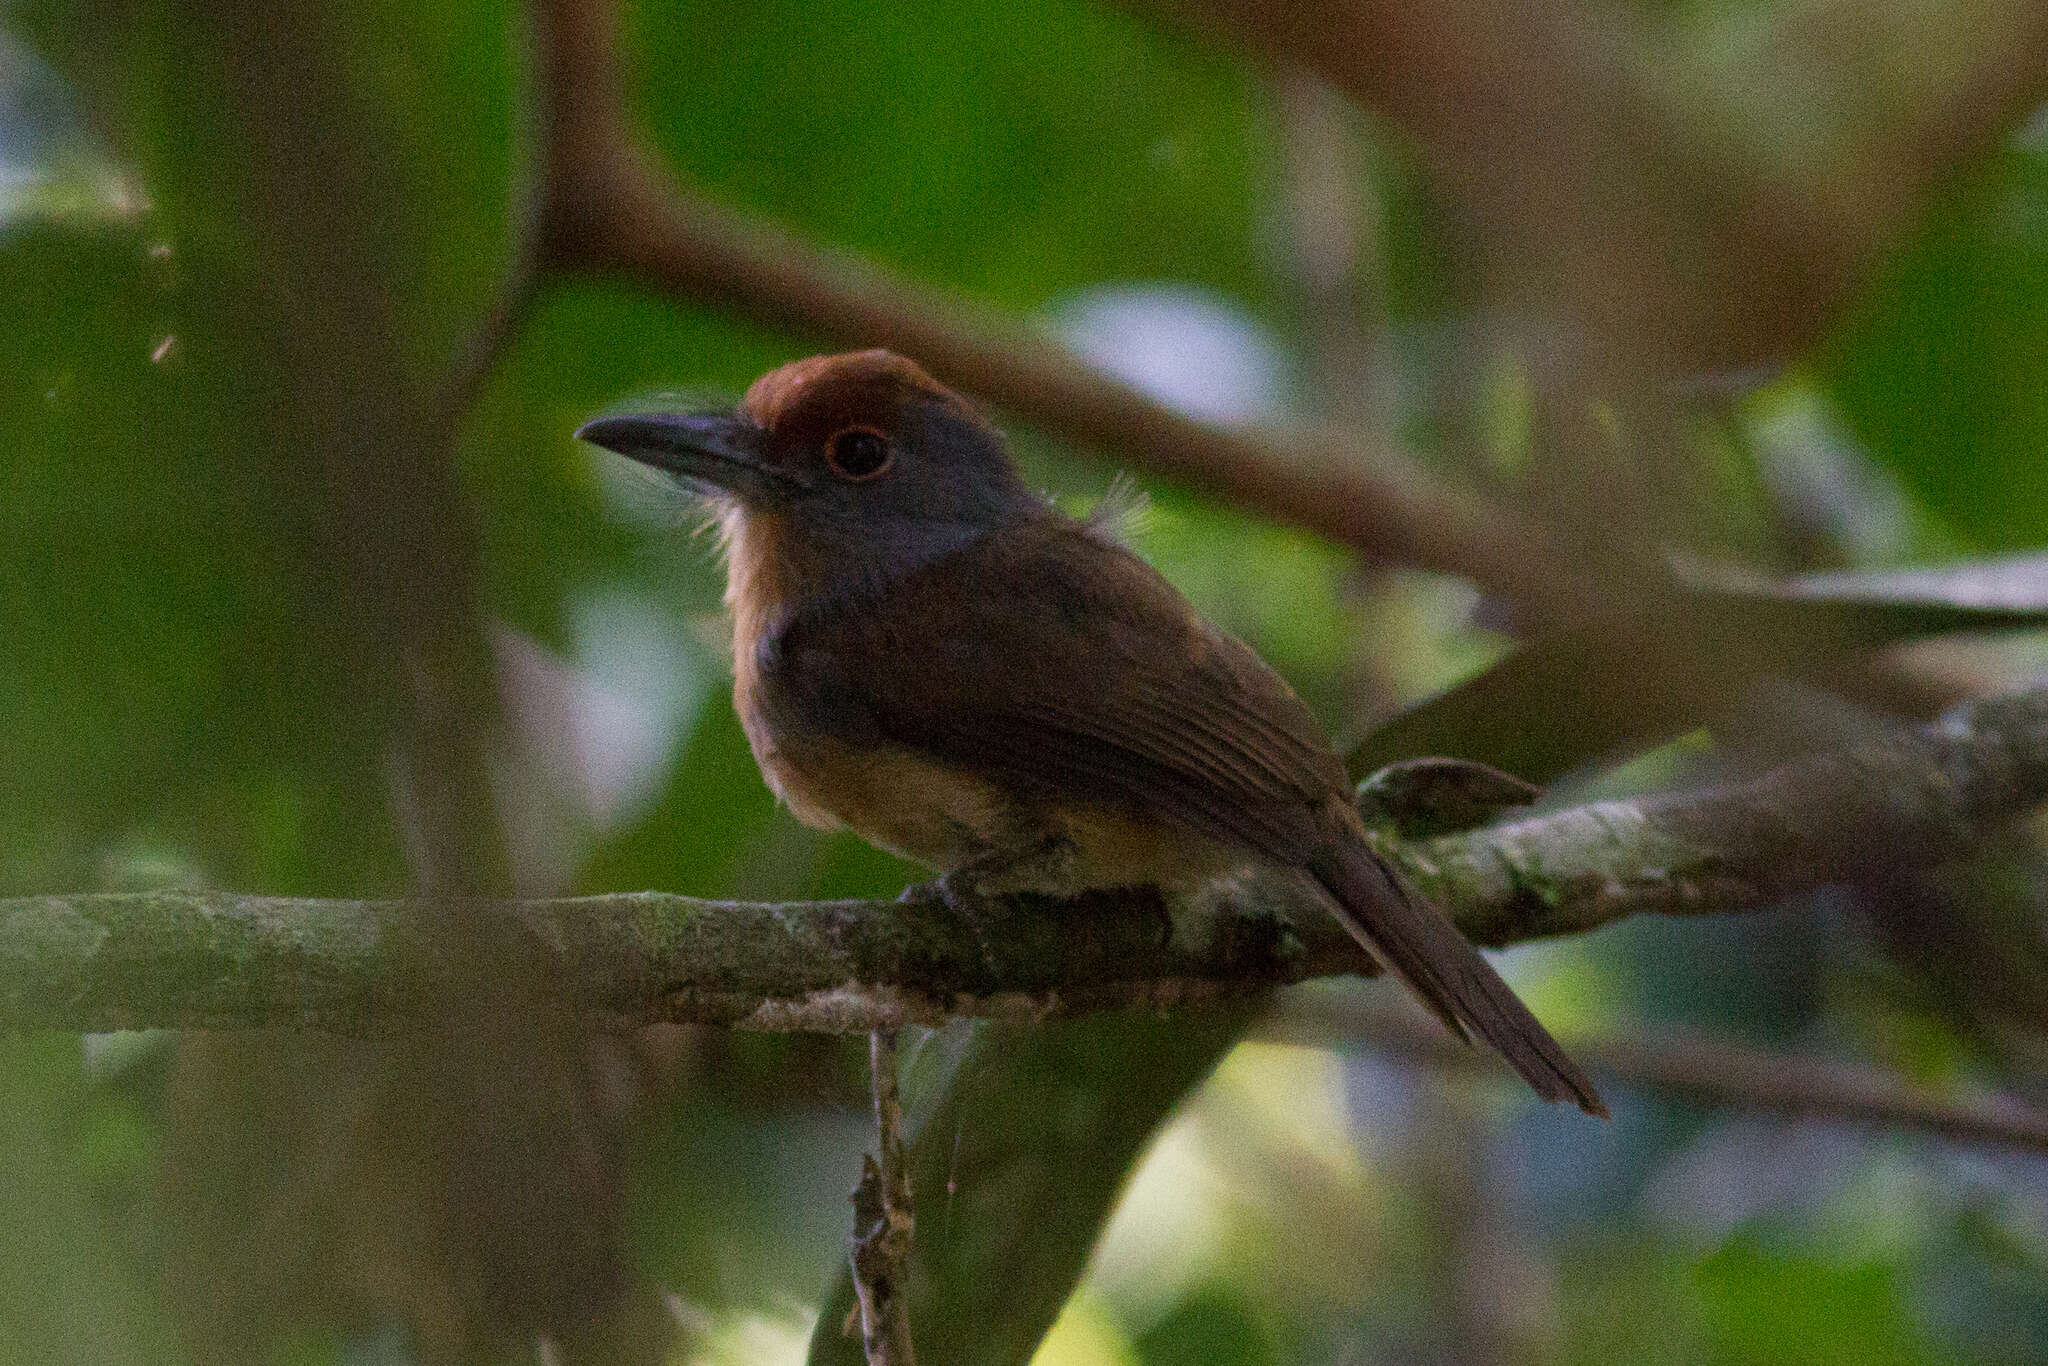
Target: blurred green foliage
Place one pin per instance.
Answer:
(1939, 371)
(179, 701)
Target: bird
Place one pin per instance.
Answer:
(928, 652)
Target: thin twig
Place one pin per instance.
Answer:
(883, 1224)
(1708, 1071)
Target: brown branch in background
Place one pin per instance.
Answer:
(1635, 200)
(883, 1225)
(608, 207)
(1475, 81)
(1906, 127)
(462, 1181)
(1713, 1073)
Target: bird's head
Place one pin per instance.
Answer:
(863, 449)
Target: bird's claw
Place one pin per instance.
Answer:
(956, 894)
(967, 903)
(917, 893)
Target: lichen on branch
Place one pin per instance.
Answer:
(202, 959)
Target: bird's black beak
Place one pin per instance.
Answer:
(713, 452)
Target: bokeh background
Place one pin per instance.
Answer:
(285, 613)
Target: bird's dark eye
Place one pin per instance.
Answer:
(858, 453)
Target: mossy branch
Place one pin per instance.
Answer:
(218, 960)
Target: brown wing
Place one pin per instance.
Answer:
(1060, 666)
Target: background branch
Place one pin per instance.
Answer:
(608, 207)
(1645, 210)
(1707, 1071)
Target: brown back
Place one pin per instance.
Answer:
(1062, 667)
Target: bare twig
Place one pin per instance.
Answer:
(1707, 1071)
(882, 1221)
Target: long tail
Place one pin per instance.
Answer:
(1439, 965)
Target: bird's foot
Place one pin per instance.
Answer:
(957, 894)
(949, 890)
(961, 894)
(919, 893)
